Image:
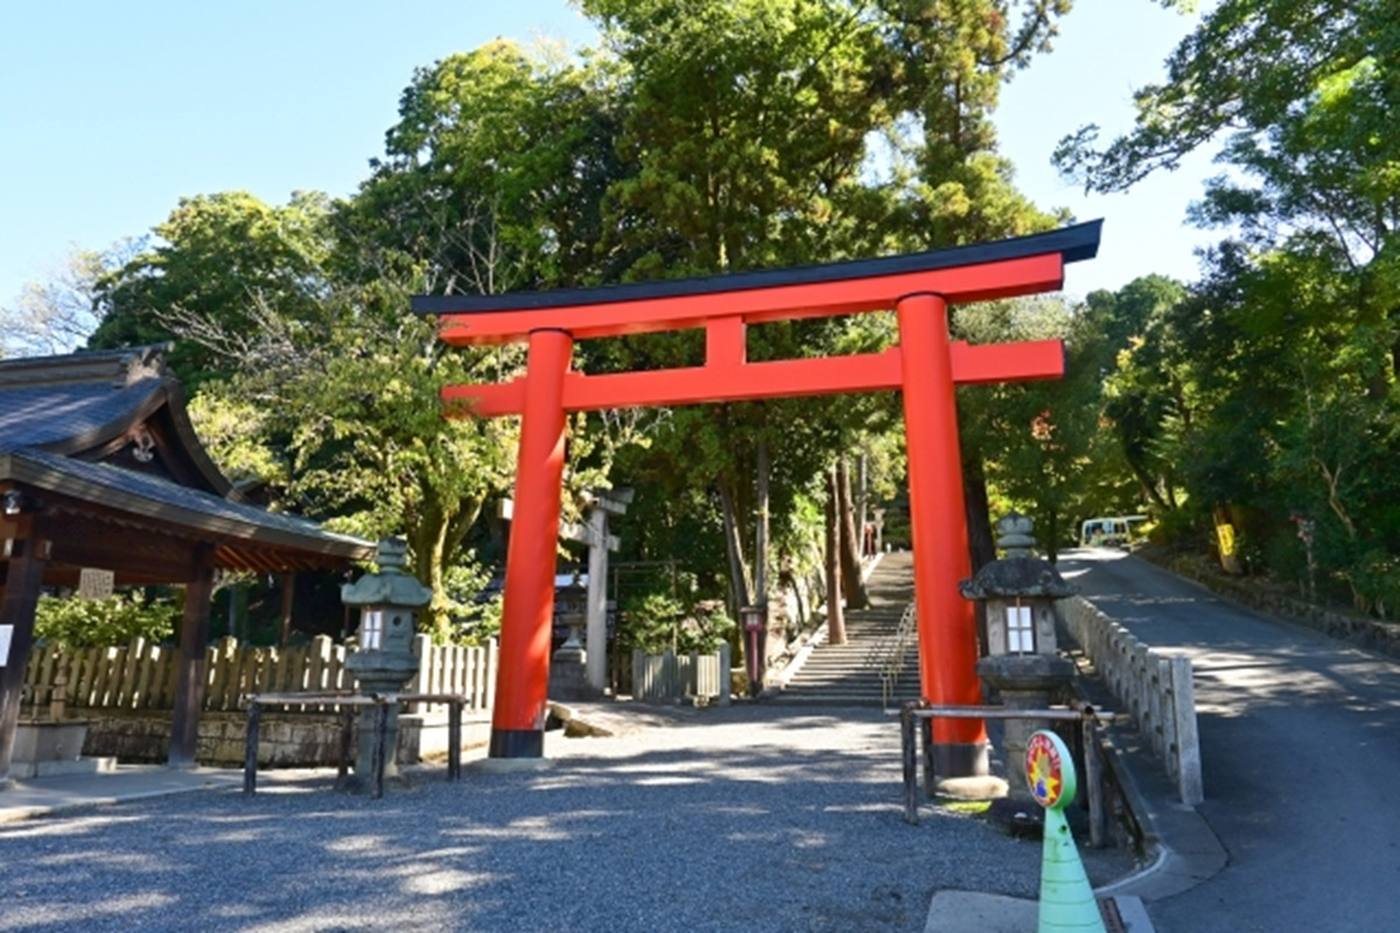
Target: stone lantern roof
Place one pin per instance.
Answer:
(1019, 573)
(390, 586)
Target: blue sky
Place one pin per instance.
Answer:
(110, 112)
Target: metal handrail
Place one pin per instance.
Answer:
(893, 664)
(1087, 716)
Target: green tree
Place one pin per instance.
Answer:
(216, 261)
(1271, 389)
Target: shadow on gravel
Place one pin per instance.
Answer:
(765, 837)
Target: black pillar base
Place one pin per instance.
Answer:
(954, 760)
(517, 743)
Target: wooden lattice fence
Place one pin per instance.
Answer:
(141, 674)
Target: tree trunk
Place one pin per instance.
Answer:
(835, 617)
(856, 597)
(982, 546)
(863, 500)
(734, 549)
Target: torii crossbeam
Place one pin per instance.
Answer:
(925, 366)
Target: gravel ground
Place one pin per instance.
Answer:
(754, 818)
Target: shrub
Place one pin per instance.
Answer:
(83, 623)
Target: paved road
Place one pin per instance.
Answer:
(748, 818)
(1300, 740)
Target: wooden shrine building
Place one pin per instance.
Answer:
(100, 469)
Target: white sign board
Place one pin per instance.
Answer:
(95, 584)
(6, 633)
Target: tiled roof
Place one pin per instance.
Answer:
(48, 415)
(53, 405)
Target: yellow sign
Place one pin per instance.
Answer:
(1226, 533)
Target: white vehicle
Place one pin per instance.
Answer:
(1109, 531)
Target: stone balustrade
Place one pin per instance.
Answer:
(1154, 687)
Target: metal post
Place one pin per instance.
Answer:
(250, 749)
(937, 514)
(517, 725)
(381, 753)
(1093, 780)
(911, 765)
(347, 739)
(454, 739)
(930, 761)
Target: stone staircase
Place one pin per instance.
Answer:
(850, 674)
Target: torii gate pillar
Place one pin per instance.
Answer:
(517, 720)
(938, 520)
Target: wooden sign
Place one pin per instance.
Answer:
(95, 584)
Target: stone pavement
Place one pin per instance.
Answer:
(51, 795)
(1298, 744)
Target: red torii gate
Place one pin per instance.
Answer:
(925, 366)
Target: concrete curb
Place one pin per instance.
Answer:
(955, 911)
(21, 813)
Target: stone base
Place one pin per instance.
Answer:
(568, 677)
(986, 787)
(977, 912)
(27, 770)
(508, 765)
(46, 741)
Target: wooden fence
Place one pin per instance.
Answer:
(141, 674)
(671, 676)
(1156, 688)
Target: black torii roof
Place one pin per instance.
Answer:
(1073, 243)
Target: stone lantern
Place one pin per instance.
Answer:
(568, 677)
(1019, 593)
(385, 662)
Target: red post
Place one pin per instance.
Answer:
(938, 518)
(522, 684)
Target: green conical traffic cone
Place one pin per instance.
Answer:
(1066, 899)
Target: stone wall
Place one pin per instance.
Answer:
(285, 740)
(1382, 637)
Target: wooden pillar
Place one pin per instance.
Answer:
(18, 599)
(191, 678)
(289, 592)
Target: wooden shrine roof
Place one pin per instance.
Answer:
(101, 451)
